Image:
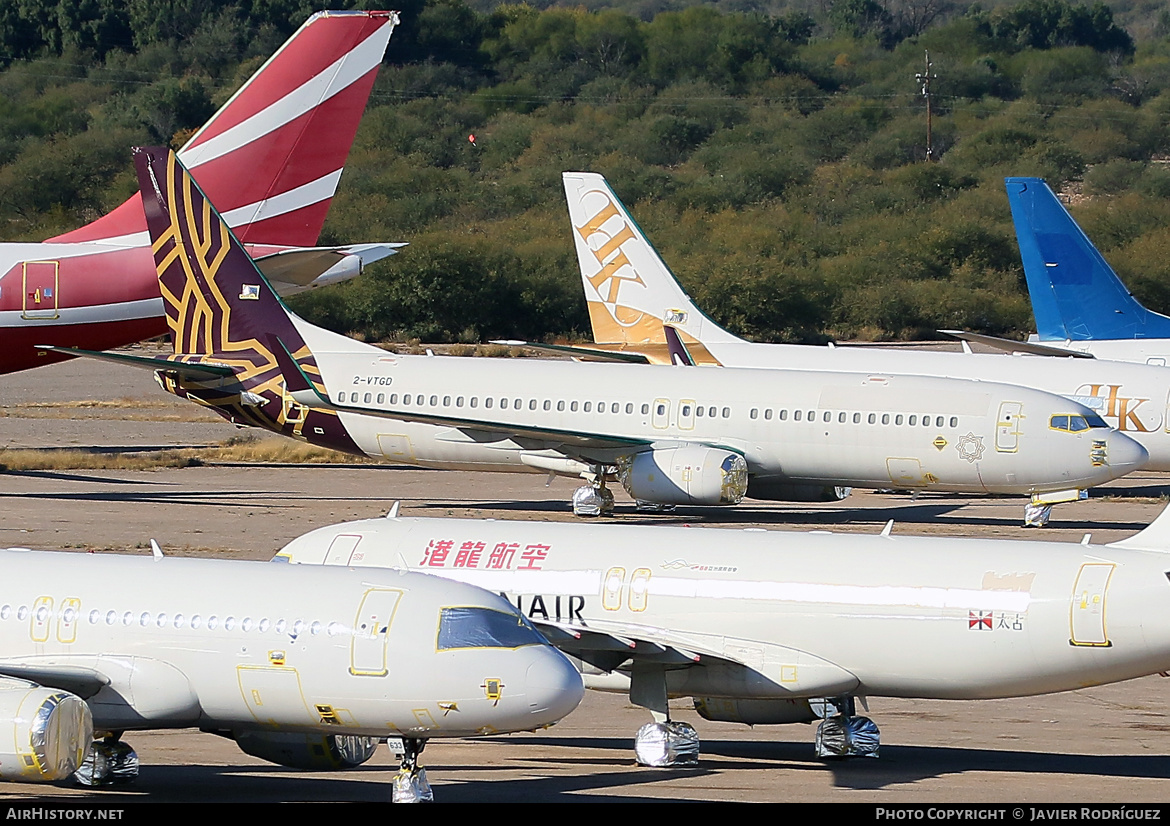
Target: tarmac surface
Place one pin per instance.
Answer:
(1106, 744)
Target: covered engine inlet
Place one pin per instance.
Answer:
(691, 475)
(46, 733)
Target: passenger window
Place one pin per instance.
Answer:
(588, 407)
(560, 406)
(913, 421)
(517, 404)
(459, 401)
(954, 421)
(857, 418)
(393, 398)
(938, 421)
(434, 401)
(796, 414)
(406, 399)
(381, 398)
(503, 404)
(475, 401)
(768, 413)
(646, 409)
(341, 396)
(615, 408)
(898, 419)
(488, 401)
(841, 418)
(783, 415)
(698, 411)
(446, 401)
(572, 407)
(532, 404)
(753, 414)
(885, 418)
(711, 412)
(629, 407)
(872, 418)
(547, 404)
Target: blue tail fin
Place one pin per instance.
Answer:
(1075, 294)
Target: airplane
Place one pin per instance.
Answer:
(678, 436)
(271, 157)
(1080, 305)
(769, 627)
(633, 298)
(308, 668)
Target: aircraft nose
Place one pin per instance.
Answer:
(1126, 454)
(553, 687)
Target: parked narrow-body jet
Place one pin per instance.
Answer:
(271, 157)
(778, 627)
(303, 668)
(671, 436)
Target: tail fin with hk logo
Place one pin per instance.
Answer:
(630, 291)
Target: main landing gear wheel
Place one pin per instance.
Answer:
(110, 762)
(592, 500)
(410, 784)
(1037, 516)
(666, 745)
(841, 733)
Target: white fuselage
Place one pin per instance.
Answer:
(785, 615)
(238, 646)
(826, 427)
(1134, 398)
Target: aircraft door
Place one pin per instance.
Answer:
(274, 695)
(67, 625)
(639, 589)
(686, 414)
(341, 549)
(40, 289)
(371, 632)
(41, 619)
(660, 415)
(905, 471)
(1087, 613)
(611, 589)
(1007, 427)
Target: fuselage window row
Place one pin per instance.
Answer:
(145, 619)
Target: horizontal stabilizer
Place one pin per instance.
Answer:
(1007, 345)
(305, 267)
(194, 370)
(1155, 537)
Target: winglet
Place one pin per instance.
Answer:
(156, 550)
(888, 528)
(393, 512)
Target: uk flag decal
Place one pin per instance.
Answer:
(979, 620)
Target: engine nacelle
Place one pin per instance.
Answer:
(45, 733)
(773, 490)
(755, 712)
(314, 752)
(692, 475)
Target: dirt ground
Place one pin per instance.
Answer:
(1096, 745)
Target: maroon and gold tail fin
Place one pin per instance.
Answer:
(216, 300)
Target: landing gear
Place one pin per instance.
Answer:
(1037, 516)
(666, 745)
(663, 743)
(1038, 512)
(110, 762)
(410, 784)
(842, 733)
(594, 499)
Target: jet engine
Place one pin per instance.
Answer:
(315, 752)
(46, 733)
(774, 490)
(689, 475)
(755, 712)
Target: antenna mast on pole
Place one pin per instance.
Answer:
(924, 78)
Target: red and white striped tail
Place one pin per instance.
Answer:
(271, 157)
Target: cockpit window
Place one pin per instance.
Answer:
(1095, 421)
(1075, 423)
(470, 627)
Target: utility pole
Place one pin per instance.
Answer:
(924, 79)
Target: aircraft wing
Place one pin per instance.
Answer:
(1010, 346)
(584, 353)
(304, 393)
(607, 648)
(84, 682)
(197, 371)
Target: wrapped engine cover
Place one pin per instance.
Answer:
(755, 712)
(316, 752)
(45, 733)
(690, 475)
